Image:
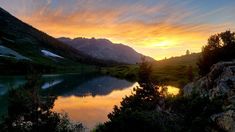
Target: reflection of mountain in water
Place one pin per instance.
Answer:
(84, 85)
(99, 86)
(8, 82)
(73, 84)
(65, 85)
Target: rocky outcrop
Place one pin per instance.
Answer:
(220, 82)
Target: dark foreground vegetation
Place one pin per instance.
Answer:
(31, 111)
(149, 109)
(220, 47)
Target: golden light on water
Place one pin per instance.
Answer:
(170, 90)
(91, 110)
(94, 110)
(173, 90)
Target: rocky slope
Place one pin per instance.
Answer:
(104, 49)
(219, 83)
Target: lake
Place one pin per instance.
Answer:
(86, 98)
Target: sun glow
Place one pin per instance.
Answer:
(158, 30)
(163, 44)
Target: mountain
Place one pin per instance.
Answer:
(23, 46)
(104, 49)
(28, 41)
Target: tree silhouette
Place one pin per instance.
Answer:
(190, 73)
(29, 111)
(220, 47)
(187, 52)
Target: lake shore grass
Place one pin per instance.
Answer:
(172, 71)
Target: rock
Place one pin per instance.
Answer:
(188, 89)
(225, 120)
(219, 82)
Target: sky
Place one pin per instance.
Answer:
(157, 28)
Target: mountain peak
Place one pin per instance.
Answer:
(28, 41)
(104, 49)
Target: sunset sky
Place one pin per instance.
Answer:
(158, 28)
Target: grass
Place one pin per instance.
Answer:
(11, 66)
(172, 71)
(128, 72)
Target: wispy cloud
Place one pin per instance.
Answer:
(156, 28)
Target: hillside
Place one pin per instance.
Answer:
(175, 70)
(23, 47)
(104, 49)
(28, 41)
(172, 71)
(178, 60)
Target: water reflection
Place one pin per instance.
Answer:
(173, 90)
(86, 98)
(91, 110)
(50, 84)
(98, 86)
(7, 82)
(28, 110)
(169, 90)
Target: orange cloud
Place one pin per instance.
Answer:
(159, 31)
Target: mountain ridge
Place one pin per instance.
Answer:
(30, 48)
(104, 49)
(13, 30)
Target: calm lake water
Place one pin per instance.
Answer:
(86, 98)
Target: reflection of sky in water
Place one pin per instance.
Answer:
(8, 82)
(170, 90)
(86, 99)
(2, 89)
(101, 85)
(91, 110)
(173, 90)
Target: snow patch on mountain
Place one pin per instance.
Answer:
(7, 52)
(50, 54)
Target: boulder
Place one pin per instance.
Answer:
(219, 82)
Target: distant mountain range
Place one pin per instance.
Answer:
(22, 42)
(104, 49)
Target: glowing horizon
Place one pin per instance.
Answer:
(157, 28)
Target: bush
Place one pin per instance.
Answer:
(29, 111)
(148, 109)
(220, 47)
